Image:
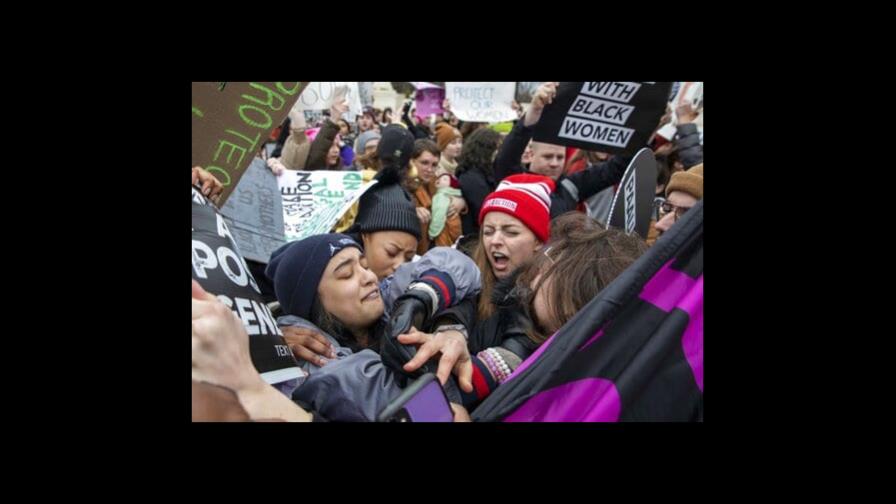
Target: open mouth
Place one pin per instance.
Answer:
(500, 261)
(370, 297)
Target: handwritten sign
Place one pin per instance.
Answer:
(314, 201)
(254, 213)
(319, 96)
(232, 120)
(481, 101)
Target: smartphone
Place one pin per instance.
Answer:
(422, 401)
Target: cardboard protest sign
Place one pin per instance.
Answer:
(319, 96)
(614, 117)
(314, 201)
(481, 101)
(429, 101)
(232, 120)
(254, 213)
(221, 270)
(633, 204)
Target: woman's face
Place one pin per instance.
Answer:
(387, 250)
(508, 242)
(452, 150)
(426, 166)
(543, 313)
(349, 291)
(333, 154)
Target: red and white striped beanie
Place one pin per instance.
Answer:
(526, 197)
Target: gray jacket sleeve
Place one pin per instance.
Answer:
(292, 320)
(462, 270)
(355, 388)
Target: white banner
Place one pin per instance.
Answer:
(481, 101)
(314, 201)
(319, 96)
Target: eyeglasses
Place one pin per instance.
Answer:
(665, 208)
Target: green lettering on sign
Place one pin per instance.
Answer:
(267, 117)
(223, 173)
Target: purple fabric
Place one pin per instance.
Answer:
(588, 400)
(670, 289)
(597, 399)
(347, 155)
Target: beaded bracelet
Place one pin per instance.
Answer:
(495, 363)
(505, 369)
(486, 359)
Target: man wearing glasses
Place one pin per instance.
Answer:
(684, 190)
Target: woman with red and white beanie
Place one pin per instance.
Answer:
(514, 224)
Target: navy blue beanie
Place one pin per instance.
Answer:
(296, 268)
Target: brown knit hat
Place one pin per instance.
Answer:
(445, 134)
(690, 181)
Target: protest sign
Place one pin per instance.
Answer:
(481, 101)
(232, 120)
(633, 204)
(254, 213)
(221, 270)
(613, 117)
(425, 85)
(319, 96)
(314, 201)
(429, 101)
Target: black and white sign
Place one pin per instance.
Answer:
(614, 117)
(221, 270)
(633, 204)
